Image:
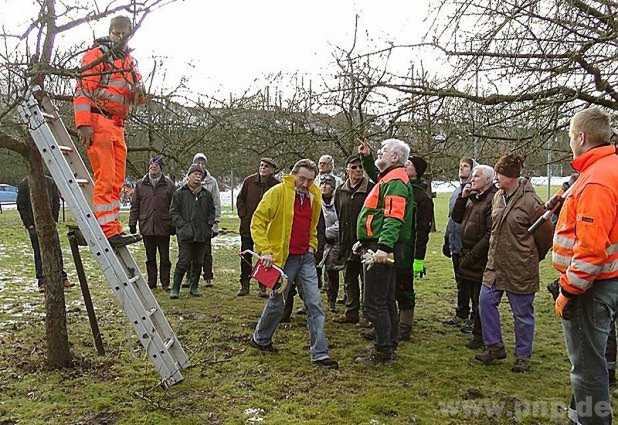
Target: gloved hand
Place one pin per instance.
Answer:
(380, 257)
(85, 135)
(446, 249)
(133, 229)
(560, 306)
(418, 267)
(356, 248)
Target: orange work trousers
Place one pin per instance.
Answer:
(107, 155)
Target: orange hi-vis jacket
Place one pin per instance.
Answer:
(107, 87)
(585, 245)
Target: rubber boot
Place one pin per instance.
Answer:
(244, 288)
(405, 324)
(194, 291)
(175, 292)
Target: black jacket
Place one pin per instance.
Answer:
(24, 206)
(151, 206)
(423, 218)
(348, 203)
(192, 214)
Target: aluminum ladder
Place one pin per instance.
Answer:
(120, 269)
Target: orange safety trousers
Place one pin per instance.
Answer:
(107, 155)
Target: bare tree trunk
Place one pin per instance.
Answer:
(58, 353)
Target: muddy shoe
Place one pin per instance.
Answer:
(521, 365)
(375, 358)
(346, 318)
(326, 363)
(467, 327)
(262, 292)
(369, 334)
(491, 354)
(244, 288)
(454, 321)
(123, 240)
(475, 343)
(265, 348)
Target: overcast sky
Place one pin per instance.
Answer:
(230, 43)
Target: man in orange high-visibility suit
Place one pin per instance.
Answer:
(109, 87)
(585, 252)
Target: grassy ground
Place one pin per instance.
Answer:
(433, 381)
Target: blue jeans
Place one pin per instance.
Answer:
(301, 270)
(522, 308)
(586, 333)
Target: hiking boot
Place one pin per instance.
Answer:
(467, 326)
(326, 363)
(346, 318)
(117, 241)
(454, 321)
(369, 334)
(244, 288)
(521, 365)
(264, 348)
(364, 323)
(475, 343)
(208, 283)
(262, 292)
(375, 358)
(491, 354)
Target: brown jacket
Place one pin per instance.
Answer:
(514, 254)
(151, 206)
(474, 215)
(251, 193)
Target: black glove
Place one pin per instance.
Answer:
(133, 229)
(446, 250)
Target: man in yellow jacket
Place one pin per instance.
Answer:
(585, 252)
(284, 232)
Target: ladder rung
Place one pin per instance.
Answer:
(65, 149)
(133, 279)
(169, 343)
(48, 116)
(82, 182)
(152, 311)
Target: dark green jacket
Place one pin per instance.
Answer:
(192, 214)
(387, 216)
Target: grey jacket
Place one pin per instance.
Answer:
(331, 222)
(211, 185)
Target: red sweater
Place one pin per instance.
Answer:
(301, 226)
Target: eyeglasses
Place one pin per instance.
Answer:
(356, 167)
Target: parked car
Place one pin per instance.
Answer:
(8, 194)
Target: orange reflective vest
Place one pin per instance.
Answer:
(585, 245)
(107, 85)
